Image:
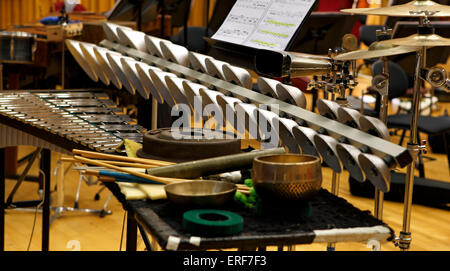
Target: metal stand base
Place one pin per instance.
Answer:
(59, 211)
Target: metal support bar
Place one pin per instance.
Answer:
(131, 232)
(413, 146)
(2, 199)
(356, 137)
(335, 191)
(22, 177)
(46, 168)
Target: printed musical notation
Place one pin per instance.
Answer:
(243, 19)
(263, 23)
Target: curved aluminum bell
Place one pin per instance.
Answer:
(143, 71)
(326, 146)
(227, 104)
(246, 121)
(209, 100)
(89, 54)
(154, 45)
(376, 170)
(101, 55)
(110, 30)
(117, 67)
(129, 66)
(268, 124)
(328, 109)
(348, 155)
(197, 61)
(214, 68)
(132, 38)
(75, 50)
(192, 91)
(175, 53)
(268, 86)
(348, 116)
(176, 89)
(304, 136)
(286, 135)
(237, 75)
(374, 127)
(159, 80)
(291, 95)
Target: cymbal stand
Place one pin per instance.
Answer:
(404, 240)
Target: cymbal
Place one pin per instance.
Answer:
(421, 40)
(416, 8)
(376, 50)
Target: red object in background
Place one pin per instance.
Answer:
(334, 5)
(78, 8)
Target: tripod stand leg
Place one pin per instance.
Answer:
(2, 199)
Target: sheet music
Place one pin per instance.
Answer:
(263, 24)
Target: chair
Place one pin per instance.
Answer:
(368, 36)
(195, 41)
(398, 87)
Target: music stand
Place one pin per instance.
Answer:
(141, 11)
(321, 31)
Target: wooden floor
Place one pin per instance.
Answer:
(430, 227)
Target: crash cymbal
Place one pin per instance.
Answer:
(417, 8)
(422, 40)
(376, 50)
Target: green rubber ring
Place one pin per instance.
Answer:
(211, 222)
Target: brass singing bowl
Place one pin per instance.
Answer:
(200, 193)
(286, 177)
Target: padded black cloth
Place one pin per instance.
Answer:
(426, 124)
(164, 219)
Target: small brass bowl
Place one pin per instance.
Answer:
(200, 193)
(287, 177)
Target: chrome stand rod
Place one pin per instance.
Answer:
(335, 191)
(413, 146)
(379, 195)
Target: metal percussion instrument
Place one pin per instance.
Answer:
(110, 30)
(82, 119)
(132, 38)
(159, 81)
(286, 177)
(281, 64)
(77, 53)
(115, 62)
(376, 50)
(197, 61)
(224, 89)
(237, 75)
(147, 82)
(175, 53)
(416, 8)
(154, 45)
(176, 89)
(268, 86)
(16, 46)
